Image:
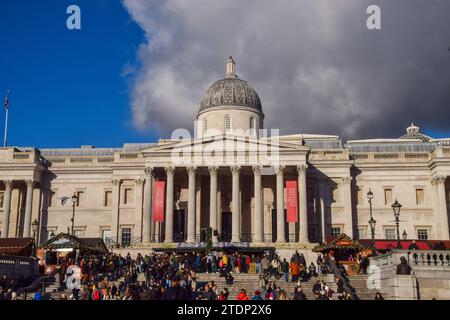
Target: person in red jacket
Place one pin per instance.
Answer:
(242, 295)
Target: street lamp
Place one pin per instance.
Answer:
(396, 207)
(74, 199)
(35, 226)
(372, 221)
(405, 235)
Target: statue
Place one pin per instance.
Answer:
(403, 268)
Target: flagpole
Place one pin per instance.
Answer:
(5, 143)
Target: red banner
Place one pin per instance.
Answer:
(291, 201)
(158, 201)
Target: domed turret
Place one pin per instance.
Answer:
(230, 105)
(413, 132)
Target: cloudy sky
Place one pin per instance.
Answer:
(137, 69)
(315, 65)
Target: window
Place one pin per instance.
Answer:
(78, 232)
(126, 237)
(108, 199)
(419, 197)
(106, 236)
(205, 125)
(80, 198)
(227, 123)
(128, 194)
(362, 232)
(335, 231)
(388, 197)
(2, 194)
(390, 233)
(252, 123)
(422, 234)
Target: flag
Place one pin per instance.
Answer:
(7, 101)
(158, 201)
(291, 201)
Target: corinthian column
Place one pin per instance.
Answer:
(28, 207)
(169, 205)
(258, 229)
(147, 219)
(442, 218)
(281, 236)
(213, 201)
(347, 197)
(191, 206)
(6, 208)
(236, 214)
(303, 204)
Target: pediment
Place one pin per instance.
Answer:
(225, 143)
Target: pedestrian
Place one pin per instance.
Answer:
(242, 296)
(257, 296)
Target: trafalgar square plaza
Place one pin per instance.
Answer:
(239, 205)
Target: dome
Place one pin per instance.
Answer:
(412, 132)
(230, 91)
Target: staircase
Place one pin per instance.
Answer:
(250, 282)
(51, 287)
(359, 283)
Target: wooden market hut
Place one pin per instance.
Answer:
(65, 246)
(345, 251)
(22, 247)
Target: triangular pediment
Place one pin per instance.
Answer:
(225, 143)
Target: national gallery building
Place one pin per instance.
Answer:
(245, 184)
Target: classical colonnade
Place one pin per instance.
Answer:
(257, 228)
(9, 185)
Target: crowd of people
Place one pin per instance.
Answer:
(174, 277)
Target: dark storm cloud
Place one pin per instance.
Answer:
(316, 66)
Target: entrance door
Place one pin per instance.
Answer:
(226, 226)
(274, 226)
(178, 226)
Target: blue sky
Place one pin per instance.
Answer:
(67, 87)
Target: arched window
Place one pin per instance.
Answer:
(205, 125)
(252, 123)
(227, 123)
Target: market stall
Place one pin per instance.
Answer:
(345, 251)
(65, 246)
(22, 247)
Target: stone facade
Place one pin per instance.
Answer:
(233, 183)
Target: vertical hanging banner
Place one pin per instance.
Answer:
(291, 201)
(158, 201)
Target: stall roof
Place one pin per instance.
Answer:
(341, 242)
(16, 246)
(67, 241)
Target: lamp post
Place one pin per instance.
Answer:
(405, 235)
(372, 221)
(74, 199)
(34, 226)
(396, 207)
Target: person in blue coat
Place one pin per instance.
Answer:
(257, 296)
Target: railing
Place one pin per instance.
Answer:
(40, 281)
(113, 242)
(433, 258)
(18, 266)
